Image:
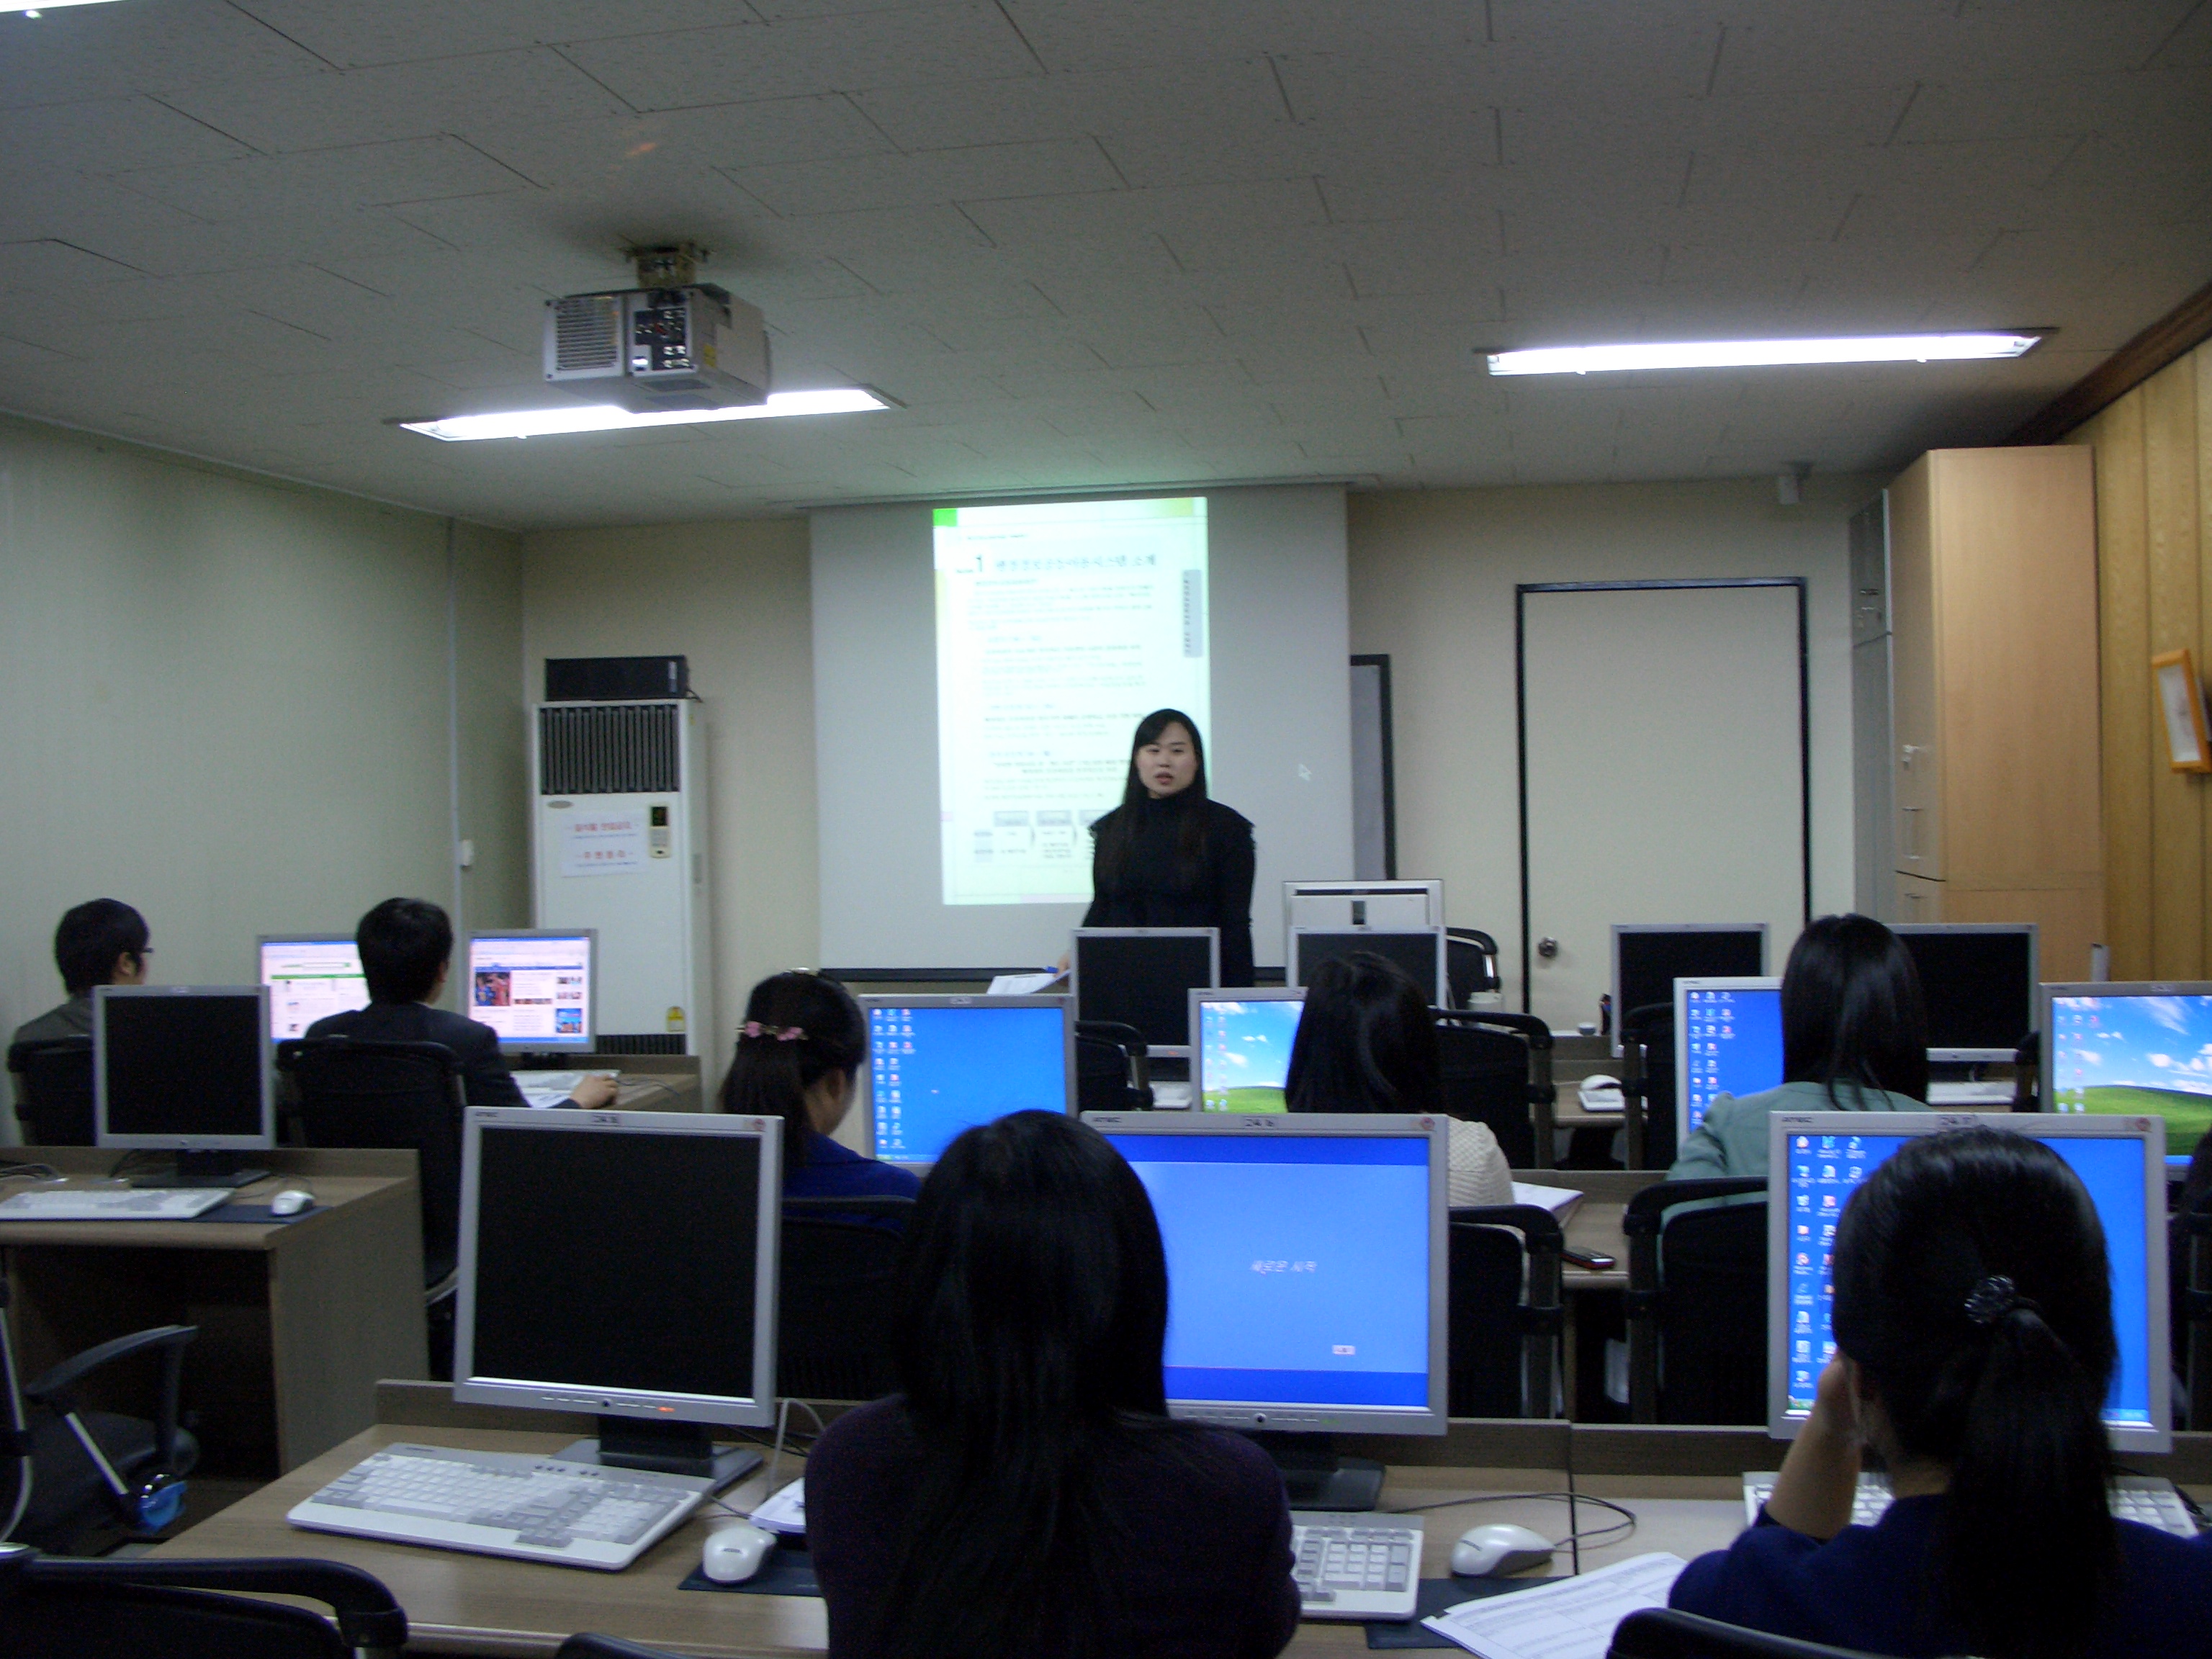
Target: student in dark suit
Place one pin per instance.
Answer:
(406, 949)
(100, 941)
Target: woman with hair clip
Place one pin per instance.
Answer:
(1367, 1042)
(1854, 1039)
(798, 1057)
(1025, 1495)
(1169, 855)
(1973, 1325)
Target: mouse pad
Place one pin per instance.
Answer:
(1436, 1594)
(789, 1571)
(256, 1214)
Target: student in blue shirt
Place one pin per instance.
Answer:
(798, 1058)
(1973, 1326)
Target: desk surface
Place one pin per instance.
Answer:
(485, 1605)
(87, 1167)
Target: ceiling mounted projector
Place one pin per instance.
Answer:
(672, 342)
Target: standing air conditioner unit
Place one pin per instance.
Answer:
(619, 843)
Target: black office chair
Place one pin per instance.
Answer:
(53, 1091)
(838, 1269)
(2028, 1073)
(1470, 964)
(1112, 1067)
(2189, 1249)
(1503, 1330)
(584, 1645)
(1697, 1304)
(406, 1097)
(1663, 1634)
(192, 1610)
(1498, 1070)
(1647, 1085)
(133, 1490)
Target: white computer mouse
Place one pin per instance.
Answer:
(1495, 1550)
(734, 1553)
(291, 1202)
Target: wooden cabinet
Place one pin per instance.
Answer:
(1996, 780)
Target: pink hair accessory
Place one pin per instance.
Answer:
(781, 1033)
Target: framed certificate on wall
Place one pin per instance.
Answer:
(2181, 700)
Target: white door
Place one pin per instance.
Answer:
(1663, 748)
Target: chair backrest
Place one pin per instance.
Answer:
(1470, 964)
(1646, 1036)
(355, 1092)
(1486, 1074)
(184, 1609)
(1663, 1634)
(1503, 1328)
(1106, 1055)
(53, 1091)
(585, 1645)
(838, 1271)
(1697, 1302)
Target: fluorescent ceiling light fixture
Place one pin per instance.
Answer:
(50, 5)
(1761, 354)
(610, 417)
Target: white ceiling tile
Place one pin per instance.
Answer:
(1055, 167)
(363, 175)
(150, 46)
(625, 154)
(349, 34)
(1080, 35)
(1191, 102)
(50, 266)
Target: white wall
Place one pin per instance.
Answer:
(1433, 575)
(227, 701)
(733, 598)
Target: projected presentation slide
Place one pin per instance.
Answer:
(2129, 1055)
(309, 980)
(532, 990)
(1060, 625)
(1244, 1053)
(1298, 1271)
(1825, 1170)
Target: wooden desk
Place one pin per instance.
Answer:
(298, 1320)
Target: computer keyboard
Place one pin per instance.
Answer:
(2135, 1498)
(1356, 1566)
(539, 1509)
(547, 1087)
(113, 1204)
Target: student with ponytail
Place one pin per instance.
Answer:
(1025, 1495)
(798, 1057)
(1974, 1343)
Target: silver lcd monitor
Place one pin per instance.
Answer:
(622, 1264)
(1817, 1160)
(1241, 1044)
(186, 1068)
(1362, 904)
(939, 1065)
(2126, 1047)
(1306, 1264)
(310, 976)
(1418, 951)
(1978, 981)
(1142, 977)
(537, 987)
(1648, 957)
(1728, 1041)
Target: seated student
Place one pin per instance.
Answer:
(1367, 1042)
(1974, 1340)
(100, 941)
(1025, 1495)
(406, 949)
(1854, 1039)
(798, 1057)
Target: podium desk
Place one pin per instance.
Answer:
(297, 1319)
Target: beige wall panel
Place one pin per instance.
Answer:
(2173, 581)
(2123, 606)
(1915, 687)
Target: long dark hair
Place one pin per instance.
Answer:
(1366, 1041)
(1118, 829)
(773, 1069)
(2027, 1556)
(1851, 1010)
(1032, 1310)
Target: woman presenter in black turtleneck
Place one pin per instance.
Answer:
(1169, 857)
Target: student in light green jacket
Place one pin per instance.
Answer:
(1854, 1039)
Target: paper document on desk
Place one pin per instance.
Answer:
(1022, 985)
(1559, 1200)
(784, 1513)
(1566, 1619)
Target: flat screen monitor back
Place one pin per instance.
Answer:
(537, 987)
(939, 1065)
(1418, 951)
(182, 1066)
(1362, 904)
(1648, 958)
(310, 976)
(1144, 976)
(1978, 982)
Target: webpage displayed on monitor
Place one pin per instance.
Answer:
(2128, 1049)
(935, 1070)
(1243, 1052)
(534, 990)
(308, 979)
(1728, 1041)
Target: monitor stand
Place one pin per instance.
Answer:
(202, 1170)
(1315, 1478)
(632, 1442)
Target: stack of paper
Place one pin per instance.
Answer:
(786, 1512)
(1566, 1619)
(1559, 1200)
(1023, 985)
